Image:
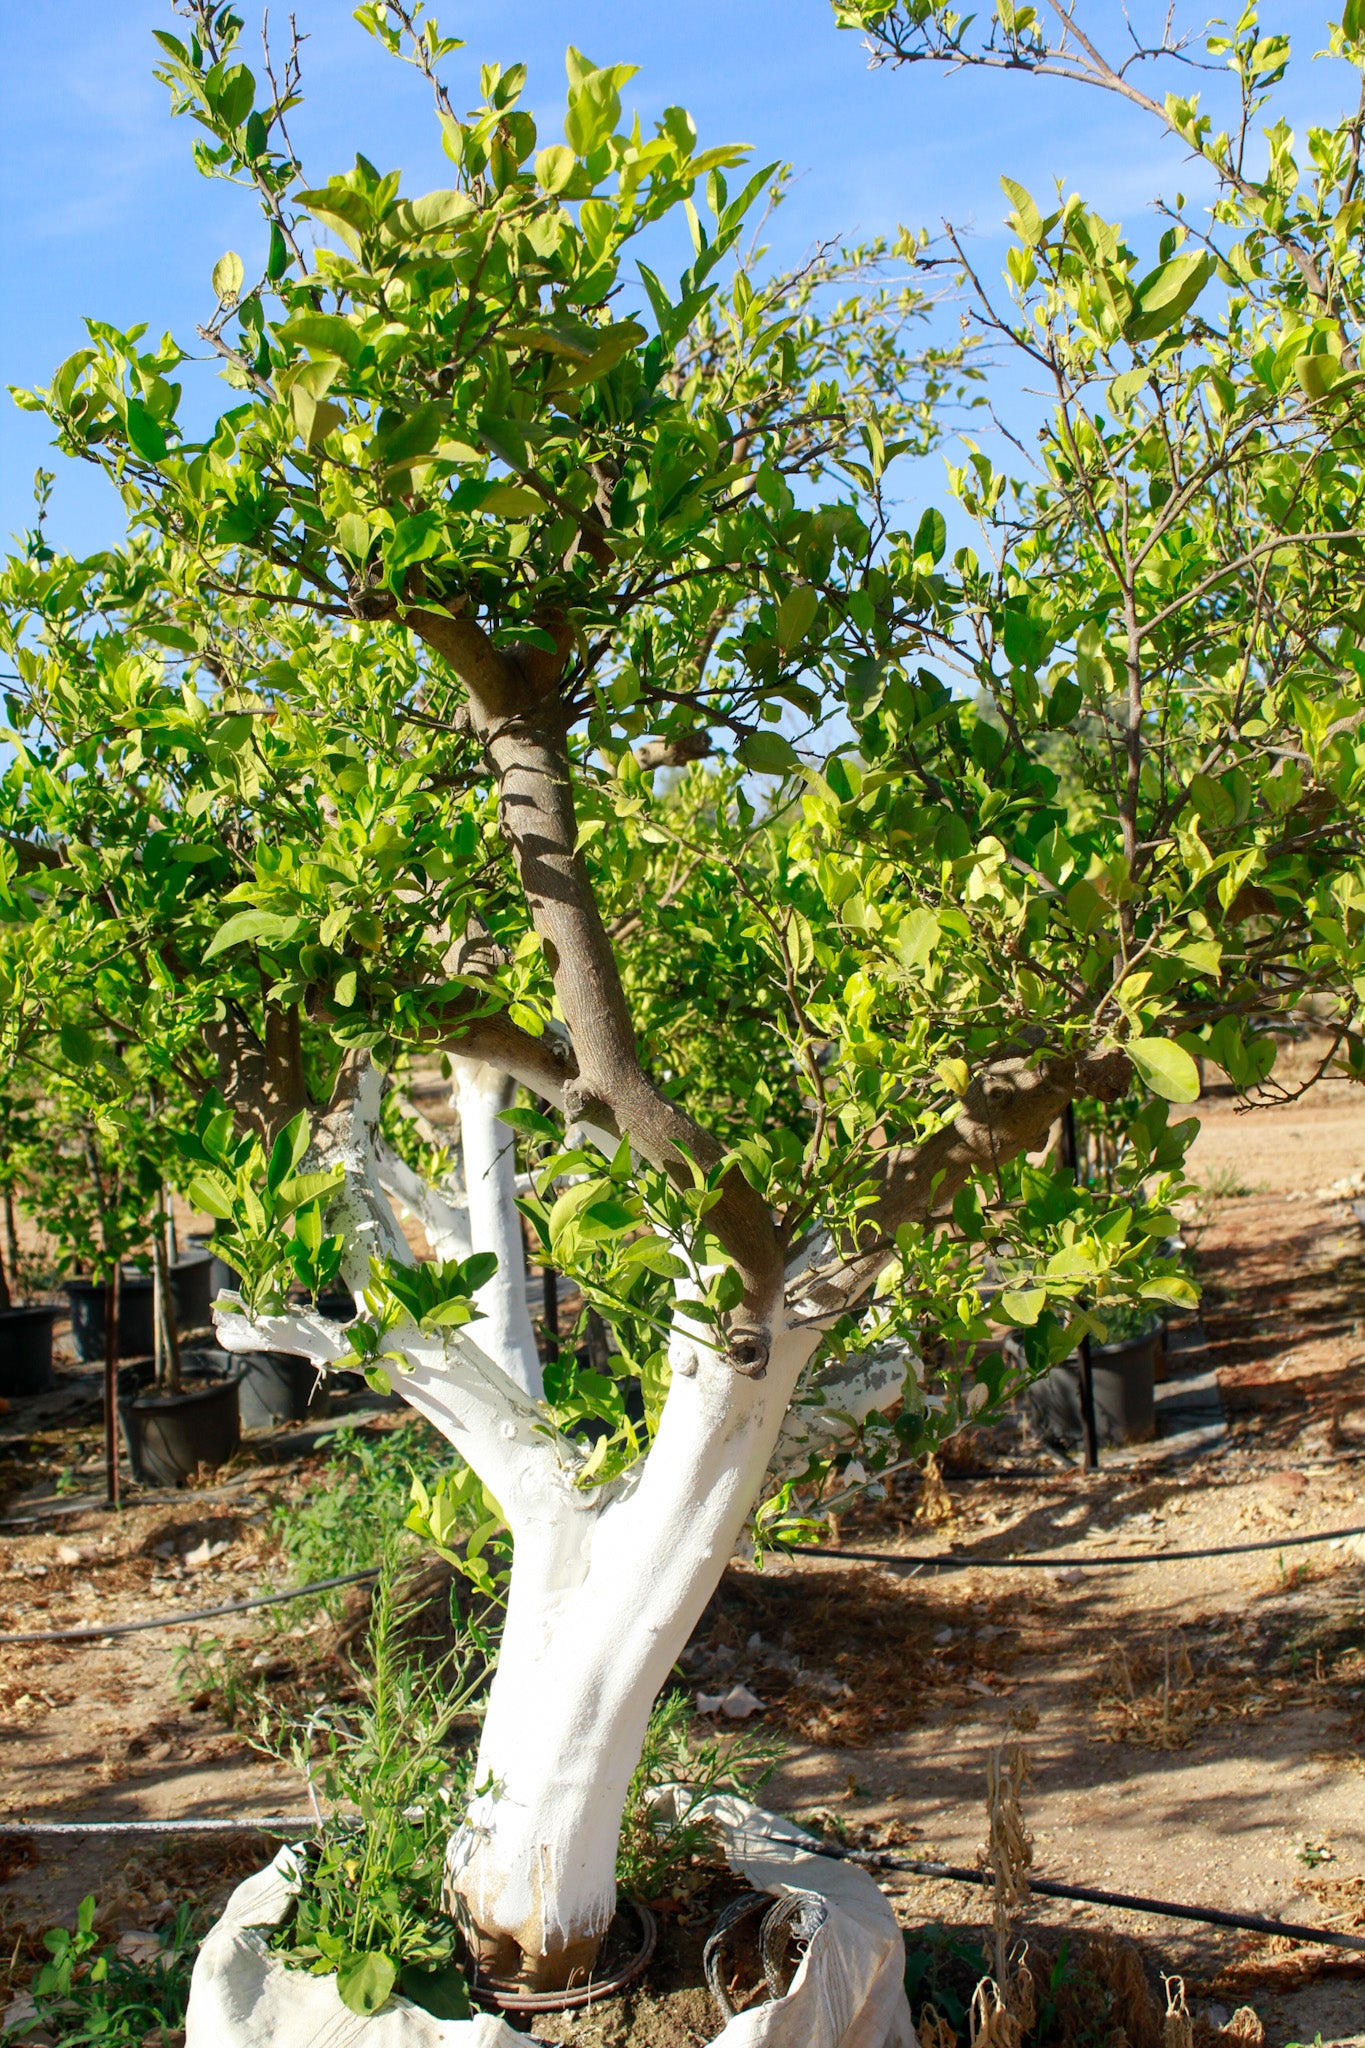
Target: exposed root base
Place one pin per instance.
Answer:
(504, 1966)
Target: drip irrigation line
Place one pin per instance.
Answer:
(92, 1632)
(91, 1503)
(944, 1562)
(876, 1859)
(270, 1824)
(1128, 1902)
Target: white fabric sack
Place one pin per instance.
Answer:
(848, 1992)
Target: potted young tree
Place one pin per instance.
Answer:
(25, 1326)
(489, 539)
(97, 1188)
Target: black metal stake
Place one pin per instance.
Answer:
(113, 1290)
(1090, 1443)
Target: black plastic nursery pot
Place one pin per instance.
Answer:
(169, 1436)
(192, 1293)
(222, 1278)
(26, 1351)
(278, 1387)
(1124, 1377)
(136, 1317)
(193, 1289)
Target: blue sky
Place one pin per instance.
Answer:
(103, 213)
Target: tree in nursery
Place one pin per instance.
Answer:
(531, 666)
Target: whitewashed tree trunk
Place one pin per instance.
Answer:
(607, 1583)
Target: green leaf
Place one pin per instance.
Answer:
(1166, 294)
(1166, 1067)
(955, 1075)
(510, 501)
(247, 925)
(916, 937)
(213, 1193)
(145, 433)
(410, 437)
(1174, 1287)
(433, 212)
(1026, 220)
(1316, 374)
(1064, 703)
(931, 535)
(1025, 1306)
(414, 540)
(1215, 805)
(364, 1982)
(323, 334)
(478, 1269)
(228, 274)
(796, 615)
(288, 1149)
(306, 1187)
(767, 753)
(443, 1992)
(555, 167)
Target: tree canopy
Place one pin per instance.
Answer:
(536, 660)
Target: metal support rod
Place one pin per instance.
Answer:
(169, 1329)
(1090, 1442)
(113, 1301)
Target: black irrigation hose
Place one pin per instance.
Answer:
(878, 1859)
(93, 1632)
(269, 1824)
(1128, 1902)
(939, 1562)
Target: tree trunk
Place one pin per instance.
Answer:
(596, 1620)
(11, 1250)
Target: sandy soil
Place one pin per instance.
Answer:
(1196, 1729)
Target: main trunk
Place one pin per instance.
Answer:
(600, 1608)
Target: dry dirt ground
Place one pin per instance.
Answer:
(1196, 1730)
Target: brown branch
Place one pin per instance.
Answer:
(518, 714)
(1009, 1108)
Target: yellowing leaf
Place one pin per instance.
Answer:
(1025, 1306)
(228, 275)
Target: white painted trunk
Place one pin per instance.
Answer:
(606, 1586)
(594, 1627)
(490, 1178)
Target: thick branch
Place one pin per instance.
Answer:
(1009, 1108)
(261, 1078)
(445, 1222)
(490, 1172)
(517, 712)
